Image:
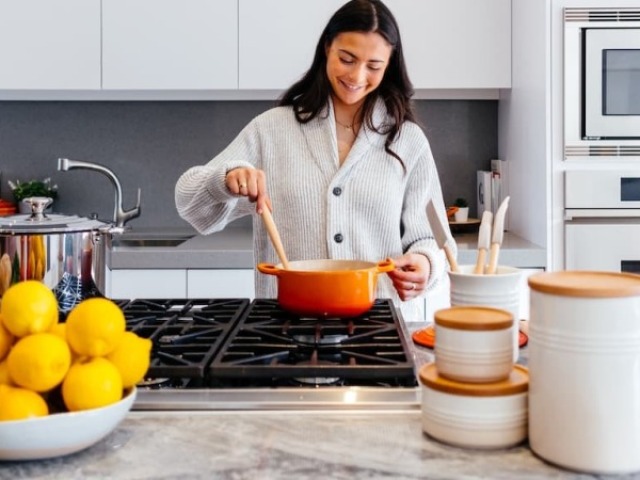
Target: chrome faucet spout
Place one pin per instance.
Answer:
(120, 216)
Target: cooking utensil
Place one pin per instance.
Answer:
(484, 241)
(270, 225)
(496, 236)
(321, 288)
(439, 233)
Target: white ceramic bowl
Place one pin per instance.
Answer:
(480, 416)
(61, 433)
(474, 344)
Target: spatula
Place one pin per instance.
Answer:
(440, 234)
(274, 236)
(484, 241)
(496, 236)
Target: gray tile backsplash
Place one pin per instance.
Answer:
(149, 144)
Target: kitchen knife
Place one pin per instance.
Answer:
(496, 236)
(484, 241)
(440, 234)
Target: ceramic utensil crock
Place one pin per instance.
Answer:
(584, 363)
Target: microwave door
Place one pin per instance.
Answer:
(611, 103)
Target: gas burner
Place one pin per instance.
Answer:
(154, 383)
(316, 380)
(335, 339)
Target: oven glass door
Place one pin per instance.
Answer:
(611, 101)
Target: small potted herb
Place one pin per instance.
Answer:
(32, 188)
(462, 213)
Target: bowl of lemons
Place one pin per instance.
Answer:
(63, 386)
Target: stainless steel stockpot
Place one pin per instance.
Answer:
(65, 252)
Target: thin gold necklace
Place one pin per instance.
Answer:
(348, 127)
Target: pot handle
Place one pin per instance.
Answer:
(385, 266)
(269, 269)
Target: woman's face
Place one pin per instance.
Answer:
(356, 63)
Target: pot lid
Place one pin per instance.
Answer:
(53, 223)
(584, 283)
(517, 382)
(475, 318)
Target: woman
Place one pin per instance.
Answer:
(341, 162)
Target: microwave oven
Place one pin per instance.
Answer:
(602, 82)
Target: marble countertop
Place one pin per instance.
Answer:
(232, 248)
(281, 445)
(301, 445)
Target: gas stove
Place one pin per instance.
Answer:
(238, 354)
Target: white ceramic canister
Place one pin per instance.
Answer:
(483, 416)
(584, 363)
(499, 290)
(474, 344)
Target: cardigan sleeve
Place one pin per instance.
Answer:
(201, 195)
(423, 185)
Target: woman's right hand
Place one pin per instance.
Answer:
(251, 183)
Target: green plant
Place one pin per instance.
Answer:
(461, 202)
(33, 188)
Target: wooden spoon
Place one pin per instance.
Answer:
(274, 236)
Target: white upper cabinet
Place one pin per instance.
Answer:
(169, 44)
(50, 45)
(278, 39)
(456, 44)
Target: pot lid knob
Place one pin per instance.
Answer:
(38, 205)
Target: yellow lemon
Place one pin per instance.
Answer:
(5, 379)
(20, 403)
(60, 330)
(39, 362)
(131, 358)
(91, 383)
(6, 340)
(95, 327)
(28, 307)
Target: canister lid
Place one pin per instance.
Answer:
(474, 317)
(518, 382)
(583, 283)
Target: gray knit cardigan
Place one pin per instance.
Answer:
(367, 209)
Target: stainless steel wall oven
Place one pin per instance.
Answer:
(601, 82)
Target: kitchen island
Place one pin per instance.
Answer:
(310, 444)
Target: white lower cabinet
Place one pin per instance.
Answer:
(148, 283)
(221, 283)
(180, 283)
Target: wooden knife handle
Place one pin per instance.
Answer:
(493, 258)
(450, 258)
(482, 257)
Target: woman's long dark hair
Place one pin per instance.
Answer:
(310, 94)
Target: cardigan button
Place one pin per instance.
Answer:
(337, 191)
(338, 238)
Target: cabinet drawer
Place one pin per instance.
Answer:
(221, 283)
(148, 284)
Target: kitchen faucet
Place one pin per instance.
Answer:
(120, 216)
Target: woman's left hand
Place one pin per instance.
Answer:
(410, 275)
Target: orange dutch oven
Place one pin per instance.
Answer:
(327, 288)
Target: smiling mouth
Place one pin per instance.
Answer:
(351, 88)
